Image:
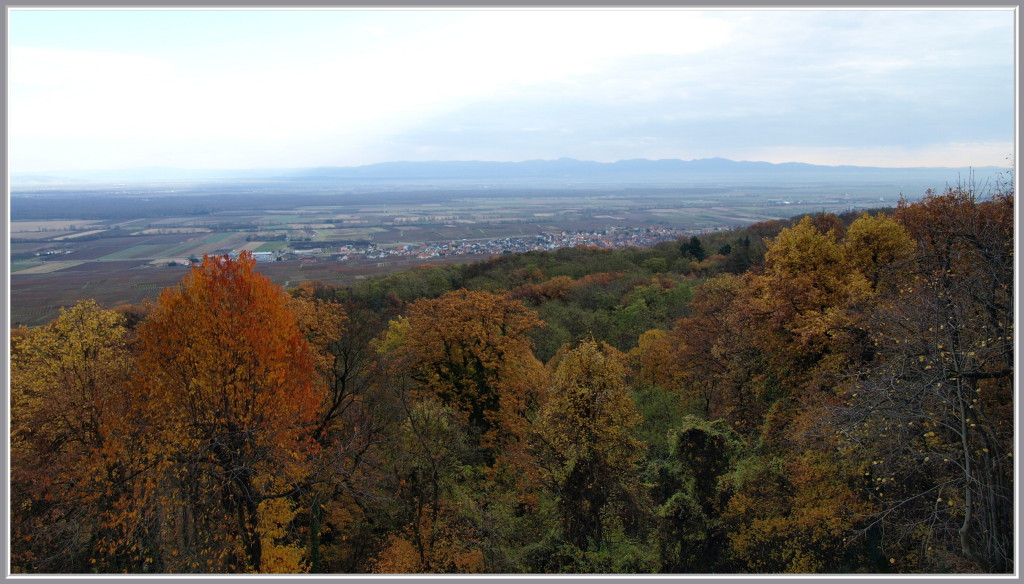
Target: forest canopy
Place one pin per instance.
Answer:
(829, 394)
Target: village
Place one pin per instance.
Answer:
(614, 237)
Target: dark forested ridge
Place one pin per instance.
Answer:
(828, 394)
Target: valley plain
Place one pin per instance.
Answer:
(121, 243)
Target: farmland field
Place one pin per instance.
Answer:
(271, 246)
(120, 248)
(47, 267)
(63, 226)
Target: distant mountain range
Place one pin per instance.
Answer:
(562, 169)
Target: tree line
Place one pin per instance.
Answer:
(826, 394)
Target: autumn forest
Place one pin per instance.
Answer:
(827, 394)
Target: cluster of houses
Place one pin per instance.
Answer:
(609, 238)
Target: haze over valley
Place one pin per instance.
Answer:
(123, 235)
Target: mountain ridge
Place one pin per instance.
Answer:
(561, 168)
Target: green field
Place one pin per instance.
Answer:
(18, 266)
(350, 233)
(48, 267)
(199, 246)
(272, 246)
(134, 252)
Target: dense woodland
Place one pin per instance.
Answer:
(820, 395)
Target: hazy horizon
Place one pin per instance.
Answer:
(214, 89)
(524, 161)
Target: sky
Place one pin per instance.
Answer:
(259, 88)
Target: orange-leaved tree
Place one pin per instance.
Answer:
(231, 404)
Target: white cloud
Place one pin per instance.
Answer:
(518, 47)
(49, 67)
(377, 31)
(598, 83)
(58, 93)
(353, 95)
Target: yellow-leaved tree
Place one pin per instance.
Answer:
(589, 457)
(471, 350)
(68, 397)
(464, 379)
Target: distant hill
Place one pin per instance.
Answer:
(635, 169)
(563, 169)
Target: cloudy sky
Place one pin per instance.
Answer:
(105, 89)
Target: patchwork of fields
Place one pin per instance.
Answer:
(56, 261)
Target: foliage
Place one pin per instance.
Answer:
(230, 401)
(791, 516)
(940, 389)
(828, 394)
(68, 397)
(588, 457)
(691, 535)
(471, 351)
